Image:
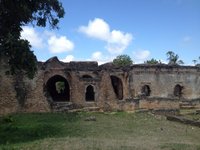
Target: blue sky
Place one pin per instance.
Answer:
(99, 30)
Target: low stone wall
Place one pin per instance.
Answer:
(159, 103)
(181, 119)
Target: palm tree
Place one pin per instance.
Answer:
(194, 61)
(173, 58)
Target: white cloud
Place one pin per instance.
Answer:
(100, 58)
(141, 55)
(163, 61)
(68, 58)
(59, 44)
(47, 40)
(97, 28)
(97, 55)
(32, 36)
(117, 41)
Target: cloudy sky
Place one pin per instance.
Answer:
(99, 30)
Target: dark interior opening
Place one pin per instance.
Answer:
(58, 88)
(117, 87)
(87, 76)
(89, 95)
(178, 90)
(146, 91)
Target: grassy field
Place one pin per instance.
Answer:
(110, 131)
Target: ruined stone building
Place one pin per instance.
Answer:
(60, 86)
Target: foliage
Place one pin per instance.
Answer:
(20, 57)
(13, 15)
(60, 86)
(152, 61)
(173, 58)
(196, 62)
(123, 60)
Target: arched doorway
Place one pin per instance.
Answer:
(90, 95)
(178, 90)
(58, 88)
(146, 91)
(117, 87)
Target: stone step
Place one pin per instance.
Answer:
(141, 110)
(185, 102)
(69, 107)
(61, 106)
(92, 108)
(186, 105)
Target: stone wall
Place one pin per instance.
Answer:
(8, 101)
(111, 88)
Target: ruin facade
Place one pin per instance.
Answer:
(60, 86)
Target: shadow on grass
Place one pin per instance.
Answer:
(20, 128)
(13, 134)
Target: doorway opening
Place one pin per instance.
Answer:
(117, 87)
(90, 94)
(178, 90)
(58, 88)
(146, 91)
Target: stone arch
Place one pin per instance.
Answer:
(90, 94)
(146, 91)
(178, 90)
(117, 87)
(58, 88)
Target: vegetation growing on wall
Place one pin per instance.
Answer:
(123, 60)
(21, 91)
(152, 61)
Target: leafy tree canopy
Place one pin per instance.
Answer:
(123, 60)
(152, 61)
(13, 15)
(173, 58)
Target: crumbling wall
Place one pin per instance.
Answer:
(36, 100)
(163, 81)
(8, 101)
(159, 81)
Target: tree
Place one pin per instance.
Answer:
(13, 15)
(173, 58)
(194, 61)
(123, 60)
(152, 61)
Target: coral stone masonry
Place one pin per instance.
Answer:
(60, 86)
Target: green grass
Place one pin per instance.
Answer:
(110, 131)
